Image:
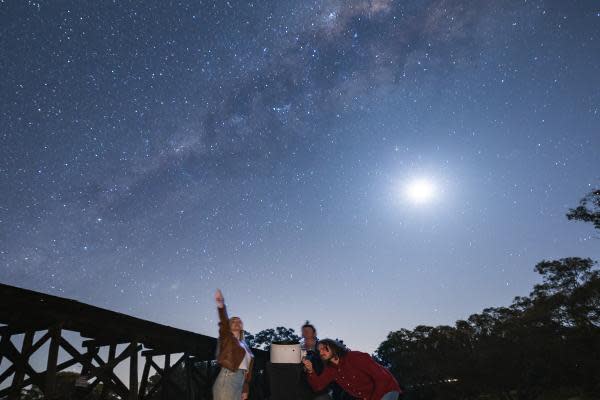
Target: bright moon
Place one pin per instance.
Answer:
(420, 191)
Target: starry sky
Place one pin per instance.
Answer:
(151, 152)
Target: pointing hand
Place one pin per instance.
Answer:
(219, 298)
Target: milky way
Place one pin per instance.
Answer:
(154, 151)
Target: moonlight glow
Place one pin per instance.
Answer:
(420, 191)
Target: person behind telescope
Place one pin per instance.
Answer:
(309, 344)
(356, 373)
(233, 355)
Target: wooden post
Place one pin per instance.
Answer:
(133, 372)
(83, 387)
(112, 350)
(50, 389)
(165, 382)
(188, 377)
(3, 341)
(17, 382)
(144, 383)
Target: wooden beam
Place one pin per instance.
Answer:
(111, 356)
(133, 371)
(21, 329)
(102, 373)
(105, 369)
(162, 351)
(158, 369)
(50, 384)
(42, 375)
(3, 345)
(9, 331)
(9, 371)
(40, 342)
(165, 390)
(144, 382)
(17, 382)
(188, 377)
(17, 359)
(104, 342)
(165, 376)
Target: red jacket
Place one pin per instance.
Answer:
(359, 375)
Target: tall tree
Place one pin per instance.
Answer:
(563, 276)
(588, 209)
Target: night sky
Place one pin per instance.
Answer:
(151, 152)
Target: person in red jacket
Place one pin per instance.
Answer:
(356, 373)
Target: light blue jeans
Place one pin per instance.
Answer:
(391, 396)
(229, 385)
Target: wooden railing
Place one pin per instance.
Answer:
(27, 314)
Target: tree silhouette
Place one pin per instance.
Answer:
(545, 345)
(588, 209)
(263, 339)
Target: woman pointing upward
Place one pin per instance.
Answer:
(233, 355)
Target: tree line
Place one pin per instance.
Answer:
(543, 346)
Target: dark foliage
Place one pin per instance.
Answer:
(588, 209)
(543, 346)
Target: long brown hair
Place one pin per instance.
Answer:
(338, 349)
(242, 331)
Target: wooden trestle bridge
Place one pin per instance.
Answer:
(29, 315)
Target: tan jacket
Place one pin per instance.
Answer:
(231, 352)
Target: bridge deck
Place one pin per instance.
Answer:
(23, 310)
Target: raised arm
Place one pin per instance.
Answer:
(219, 299)
(224, 327)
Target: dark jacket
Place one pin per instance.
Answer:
(313, 356)
(230, 352)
